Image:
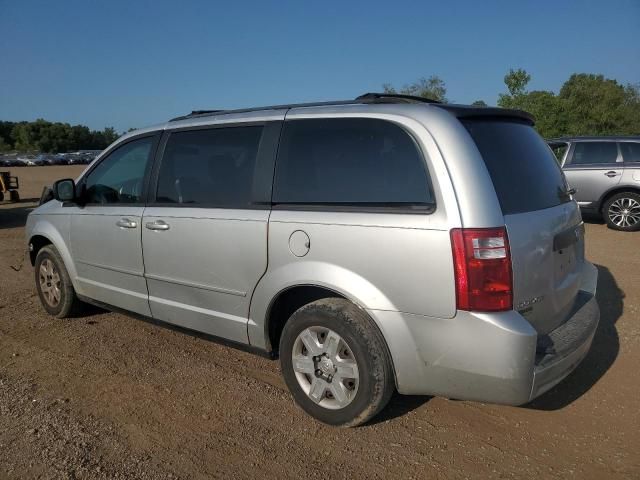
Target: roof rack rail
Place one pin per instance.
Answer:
(196, 113)
(390, 97)
(204, 112)
(367, 98)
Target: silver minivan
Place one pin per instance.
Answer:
(381, 244)
(605, 172)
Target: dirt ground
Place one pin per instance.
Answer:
(109, 396)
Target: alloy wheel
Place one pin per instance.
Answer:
(50, 283)
(625, 212)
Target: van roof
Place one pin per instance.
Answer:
(376, 99)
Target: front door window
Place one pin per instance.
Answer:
(119, 177)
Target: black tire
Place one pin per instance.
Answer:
(1, 196)
(14, 196)
(611, 212)
(68, 303)
(367, 347)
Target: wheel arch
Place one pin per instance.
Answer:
(293, 297)
(36, 242)
(286, 302)
(614, 191)
(309, 281)
(44, 233)
(327, 280)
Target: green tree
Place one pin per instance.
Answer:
(110, 135)
(44, 136)
(479, 103)
(543, 105)
(81, 138)
(587, 104)
(516, 81)
(549, 112)
(5, 132)
(22, 137)
(4, 146)
(432, 88)
(595, 105)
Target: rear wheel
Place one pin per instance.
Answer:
(622, 211)
(54, 284)
(1, 196)
(335, 362)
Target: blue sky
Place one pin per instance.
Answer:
(134, 63)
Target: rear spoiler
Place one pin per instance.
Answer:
(468, 111)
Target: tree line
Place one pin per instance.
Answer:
(586, 104)
(49, 137)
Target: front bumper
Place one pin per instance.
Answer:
(488, 357)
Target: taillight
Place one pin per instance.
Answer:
(482, 264)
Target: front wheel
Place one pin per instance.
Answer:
(53, 283)
(335, 362)
(622, 211)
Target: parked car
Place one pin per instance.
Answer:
(378, 244)
(61, 159)
(46, 159)
(605, 172)
(79, 158)
(89, 155)
(11, 160)
(74, 159)
(87, 158)
(30, 161)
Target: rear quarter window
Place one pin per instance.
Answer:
(525, 172)
(630, 152)
(352, 162)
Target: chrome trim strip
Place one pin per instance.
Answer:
(113, 269)
(193, 308)
(160, 278)
(131, 293)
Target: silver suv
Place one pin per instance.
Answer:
(379, 244)
(605, 172)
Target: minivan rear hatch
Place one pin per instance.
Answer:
(544, 226)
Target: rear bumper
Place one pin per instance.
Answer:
(560, 352)
(496, 358)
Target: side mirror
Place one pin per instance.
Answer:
(64, 190)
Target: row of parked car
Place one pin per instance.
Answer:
(82, 157)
